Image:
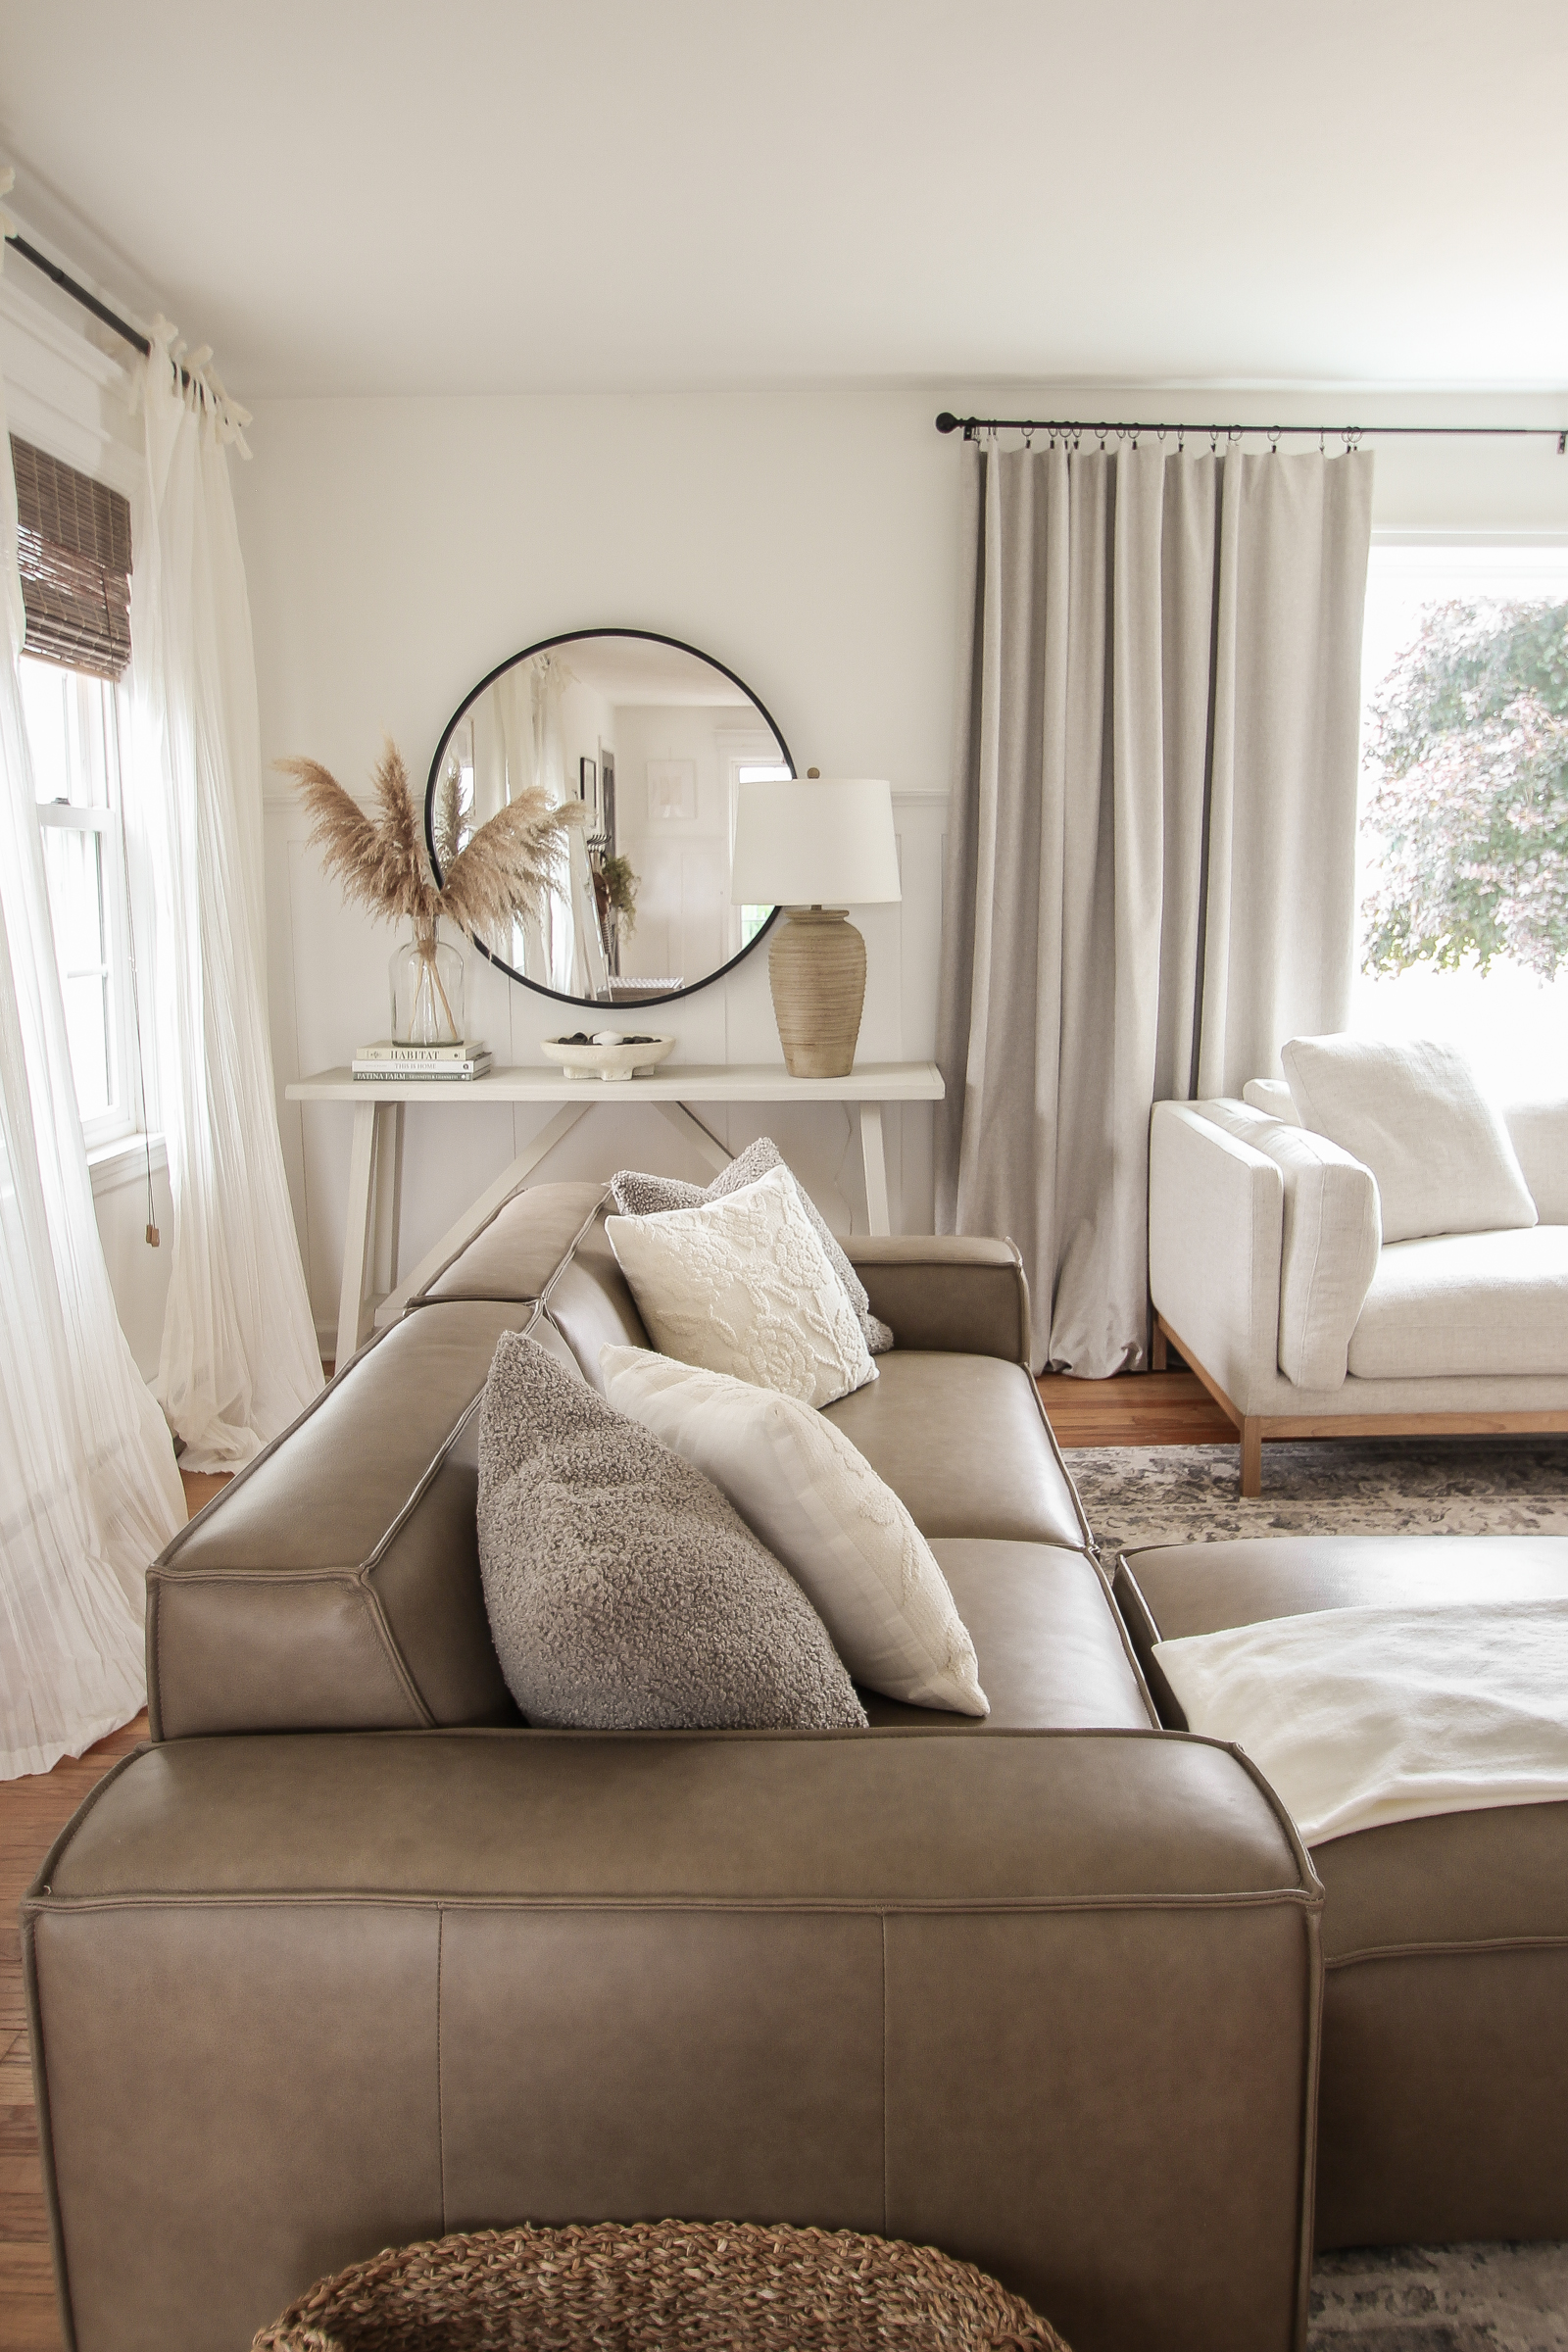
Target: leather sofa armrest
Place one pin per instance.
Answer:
(958, 1294)
(1217, 1215)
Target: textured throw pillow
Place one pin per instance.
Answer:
(639, 1196)
(1414, 1116)
(820, 1508)
(741, 1285)
(624, 1593)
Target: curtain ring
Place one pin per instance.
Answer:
(1233, 434)
(1213, 440)
(1181, 440)
(1274, 440)
(1028, 437)
(1100, 431)
(1320, 449)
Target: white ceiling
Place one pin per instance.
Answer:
(494, 195)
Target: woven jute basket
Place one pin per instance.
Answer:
(659, 2286)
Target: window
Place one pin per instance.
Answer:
(1462, 863)
(73, 723)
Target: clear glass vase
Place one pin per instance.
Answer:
(426, 975)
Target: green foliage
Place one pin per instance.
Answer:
(621, 889)
(1469, 737)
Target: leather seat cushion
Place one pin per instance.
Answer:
(1453, 1879)
(963, 1440)
(1459, 1303)
(1052, 1653)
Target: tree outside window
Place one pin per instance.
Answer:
(1464, 880)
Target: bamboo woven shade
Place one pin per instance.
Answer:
(73, 548)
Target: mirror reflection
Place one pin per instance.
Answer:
(647, 742)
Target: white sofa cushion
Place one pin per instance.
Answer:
(1329, 1251)
(818, 1505)
(1538, 1134)
(1414, 1116)
(1272, 1097)
(742, 1286)
(1452, 1304)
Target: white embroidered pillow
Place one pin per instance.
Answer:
(742, 1286)
(817, 1504)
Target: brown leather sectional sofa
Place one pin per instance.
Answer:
(350, 1956)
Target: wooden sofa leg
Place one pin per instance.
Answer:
(1156, 1348)
(1251, 1456)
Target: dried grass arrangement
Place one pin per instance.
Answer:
(504, 872)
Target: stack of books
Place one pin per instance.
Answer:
(389, 1061)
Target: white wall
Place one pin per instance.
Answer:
(398, 549)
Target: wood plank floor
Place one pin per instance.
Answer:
(1141, 1408)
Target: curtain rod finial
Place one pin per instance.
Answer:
(947, 422)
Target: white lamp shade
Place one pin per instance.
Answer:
(825, 842)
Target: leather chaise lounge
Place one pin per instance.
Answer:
(349, 1956)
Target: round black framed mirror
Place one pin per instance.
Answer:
(653, 739)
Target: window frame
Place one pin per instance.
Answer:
(122, 1118)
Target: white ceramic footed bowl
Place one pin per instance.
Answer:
(610, 1062)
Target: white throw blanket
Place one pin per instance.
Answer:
(1357, 1717)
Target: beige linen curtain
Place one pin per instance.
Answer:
(239, 1356)
(1149, 874)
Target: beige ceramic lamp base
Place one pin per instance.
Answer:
(816, 967)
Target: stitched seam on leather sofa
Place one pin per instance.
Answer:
(884, 1906)
(597, 1210)
(1460, 1949)
(440, 2087)
(1088, 1543)
(45, 2125)
(884, 1939)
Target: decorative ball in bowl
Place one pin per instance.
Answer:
(608, 1053)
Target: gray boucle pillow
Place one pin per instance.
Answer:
(624, 1592)
(639, 1196)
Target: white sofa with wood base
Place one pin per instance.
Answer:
(1268, 1273)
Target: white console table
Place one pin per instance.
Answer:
(375, 1158)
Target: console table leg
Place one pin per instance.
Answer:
(877, 1172)
(481, 1210)
(353, 1304)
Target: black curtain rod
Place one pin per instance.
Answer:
(88, 302)
(947, 422)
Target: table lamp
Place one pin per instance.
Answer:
(815, 847)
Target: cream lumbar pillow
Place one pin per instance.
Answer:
(1414, 1116)
(742, 1286)
(818, 1506)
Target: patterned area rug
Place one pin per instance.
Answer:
(1477, 2298)
(1441, 2299)
(1343, 1485)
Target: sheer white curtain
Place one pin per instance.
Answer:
(88, 1488)
(239, 1353)
(1150, 879)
